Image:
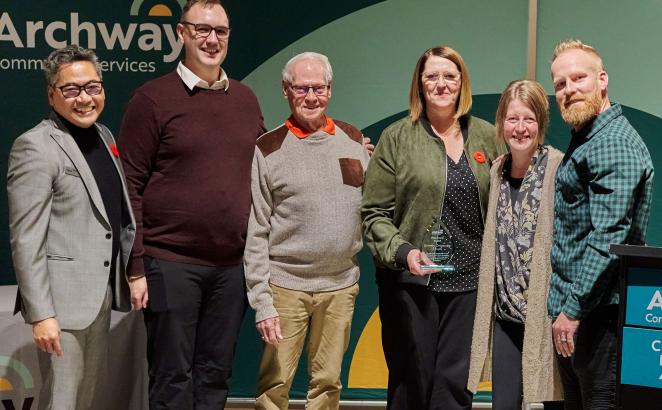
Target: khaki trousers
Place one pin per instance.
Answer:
(326, 318)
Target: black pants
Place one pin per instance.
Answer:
(589, 375)
(427, 342)
(507, 365)
(193, 320)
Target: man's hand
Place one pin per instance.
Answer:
(270, 330)
(46, 334)
(370, 147)
(416, 258)
(563, 332)
(139, 295)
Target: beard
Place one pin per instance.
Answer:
(577, 115)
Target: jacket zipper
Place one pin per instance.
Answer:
(480, 200)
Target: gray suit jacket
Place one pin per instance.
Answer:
(58, 229)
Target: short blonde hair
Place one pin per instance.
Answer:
(416, 98)
(574, 44)
(531, 94)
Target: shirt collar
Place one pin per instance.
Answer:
(599, 122)
(291, 124)
(191, 80)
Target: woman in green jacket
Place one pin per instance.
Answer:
(426, 188)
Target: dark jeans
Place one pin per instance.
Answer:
(589, 375)
(427, 341)
(193, 320)
(507, 365)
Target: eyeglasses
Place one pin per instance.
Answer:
(73, 90)
(433, 78)
(204, 30)
(302, 90)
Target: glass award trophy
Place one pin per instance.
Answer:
(439, 248)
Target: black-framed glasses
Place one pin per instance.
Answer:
(73, 90)
(204, 30)
(302, 90)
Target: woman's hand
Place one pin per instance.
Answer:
(415, 259)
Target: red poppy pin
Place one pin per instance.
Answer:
(479, 157)
(113, 149)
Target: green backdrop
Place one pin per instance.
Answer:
(373, 46)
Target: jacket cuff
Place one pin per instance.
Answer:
(33, 314)
(401, 255)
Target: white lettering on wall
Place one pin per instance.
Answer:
(86, 26)
(56, 34)
(656, 301)
(32, 27)
(174, 44)
(12, 35)
(49, 34)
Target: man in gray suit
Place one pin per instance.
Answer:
(71, 231)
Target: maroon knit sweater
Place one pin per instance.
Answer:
(187, 157)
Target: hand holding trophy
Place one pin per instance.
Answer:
(439, 248)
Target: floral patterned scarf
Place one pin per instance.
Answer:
(515, 229)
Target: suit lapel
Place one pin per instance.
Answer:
(70, 148)
(109, 142)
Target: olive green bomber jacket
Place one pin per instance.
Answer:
(406, 180)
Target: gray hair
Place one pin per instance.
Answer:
(308, 55)
(68, 55)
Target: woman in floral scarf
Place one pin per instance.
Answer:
(512, 342)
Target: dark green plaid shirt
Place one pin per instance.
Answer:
(604, 188)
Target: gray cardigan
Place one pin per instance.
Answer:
(539, 369)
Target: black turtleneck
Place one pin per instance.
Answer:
(106, 176)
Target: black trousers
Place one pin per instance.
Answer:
(507, 365)
(589, 375)
(193, 320)
(426, 338)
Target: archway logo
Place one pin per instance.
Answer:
(157, 10)
(7, 380)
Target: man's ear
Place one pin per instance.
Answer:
(50, 92)
(603, 80)
(180, 31)
(285, 85)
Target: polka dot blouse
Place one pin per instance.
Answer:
(462, 216)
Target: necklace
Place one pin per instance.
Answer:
(451, 131)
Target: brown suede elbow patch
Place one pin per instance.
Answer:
(352, 171)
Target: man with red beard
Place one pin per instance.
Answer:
(187, 143)
(607, 166)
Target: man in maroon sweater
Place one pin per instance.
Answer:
(187, 142)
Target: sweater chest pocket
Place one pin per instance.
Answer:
(352, 171)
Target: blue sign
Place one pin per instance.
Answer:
(644, 298)
(641, 363)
